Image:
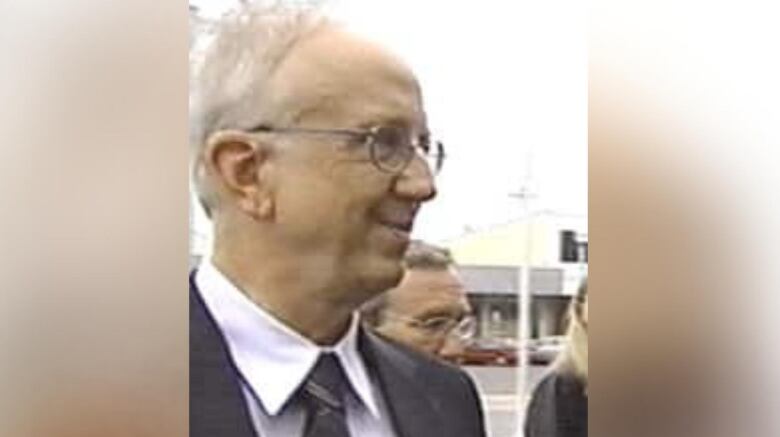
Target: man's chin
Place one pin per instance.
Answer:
(393, 242)
(381, 275)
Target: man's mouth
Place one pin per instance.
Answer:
(400, 220)
(404, 226)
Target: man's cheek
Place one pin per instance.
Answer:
(432, 344)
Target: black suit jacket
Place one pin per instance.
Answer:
(425, 398)
(558, 408)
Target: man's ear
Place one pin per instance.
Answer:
(238, 163)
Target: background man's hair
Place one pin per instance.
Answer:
(419, 256)
(424, 256)
(230, 81)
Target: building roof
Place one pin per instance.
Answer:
(531, 241)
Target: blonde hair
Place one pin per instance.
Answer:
(574, 358)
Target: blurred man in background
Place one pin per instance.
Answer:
(428, 311)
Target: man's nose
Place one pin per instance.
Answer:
(417, 181)
(452, 348)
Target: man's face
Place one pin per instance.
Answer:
(417, 306)
(332, 204)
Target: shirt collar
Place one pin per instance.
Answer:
(272, 358)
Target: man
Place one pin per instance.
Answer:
(311, 157)
(428, 311)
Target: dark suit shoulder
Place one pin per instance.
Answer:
(558, 407)
(421, 364)
(448, 390)
(217, 406)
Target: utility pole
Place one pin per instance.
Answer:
(524, 195)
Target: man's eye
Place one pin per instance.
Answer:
(392, 137)
(424, 143)
(436, 324)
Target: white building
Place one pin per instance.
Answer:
(493, 261)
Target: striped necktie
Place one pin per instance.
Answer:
(323, 394)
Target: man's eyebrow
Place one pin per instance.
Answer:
(440, 313)
(389, 121)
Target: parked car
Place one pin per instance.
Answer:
(504, 352)
(489, 352)
(543, 351)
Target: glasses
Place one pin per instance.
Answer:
(462, 328)
(391, 148)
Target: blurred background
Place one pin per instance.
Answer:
(505, 88)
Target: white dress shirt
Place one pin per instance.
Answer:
(274, 361)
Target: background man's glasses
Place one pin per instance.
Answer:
(463, 328)
(391, 148)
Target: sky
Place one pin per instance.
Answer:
(505, 87)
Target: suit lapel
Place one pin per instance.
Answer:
(217, 405)
(413, 412)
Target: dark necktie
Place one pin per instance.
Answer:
(323, 394)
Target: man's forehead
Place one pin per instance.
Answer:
(335, 74)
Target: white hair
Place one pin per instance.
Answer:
(229, 85)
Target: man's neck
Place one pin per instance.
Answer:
(308, 305)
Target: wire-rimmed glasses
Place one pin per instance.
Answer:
(462, 328)
(391, 148)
